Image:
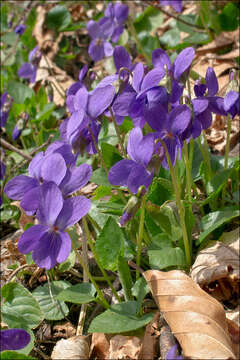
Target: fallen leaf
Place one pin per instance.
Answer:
(124, 347)
(76, 347)
(220, 42)
(58, 78)
(100, 346)
(196, 319)
(150, 339)
(216, 268)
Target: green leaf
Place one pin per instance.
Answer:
(160, 241)
(46, 112)
(125, 277)
(218, 181)
(140, 290)
(110, 154)
(149, 20)
(69, 263)
(161, 259)
(58, 18)
(101, 192)
(19, 91)
(78, 294)
(119, 318)
(10, 354)
(109, 244)
(215, 219)
(229, 18)
(171, 38)
(99, 177)
(9, 38)
(20, 309)
(149, 43)
(51, 307)
(191, 19)
(197, 38)
(161, 190)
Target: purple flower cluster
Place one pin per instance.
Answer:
(20, 29)
(110, 27)
(53, 177)
(29, 70)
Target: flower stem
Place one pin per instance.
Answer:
(205, 154)
(140, 233)
(180, 207)
(227, 148)
(92, 247)
(98, 150)
(99, 291)
(138, 42)
(188, 172)
(123, 152)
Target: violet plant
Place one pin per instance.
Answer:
(145, 174)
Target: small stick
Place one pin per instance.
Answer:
(135, 266)
(51, 136)
(9, 146)
(17, 270)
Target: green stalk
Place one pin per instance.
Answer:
(99, 291)
(98, 150)
(188, 172)
(205, 153)
(227, 148)
(123, 152)
(180, 207)
(92, 247)
(138, 42)
(140, 233)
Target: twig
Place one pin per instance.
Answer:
(134, 266)
(17, 270)
(9, 146)
(51, 136)
(159, 7)
(45, 357)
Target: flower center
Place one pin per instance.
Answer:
(99, 42)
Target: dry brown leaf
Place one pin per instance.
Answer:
(100, 346)
(59, 79)
(65, 330)
(76, 347)
(220, 42)
(150, 340)
(124, 347)
(219, 264)
(24, 218)
(196, 319)
(45, 37)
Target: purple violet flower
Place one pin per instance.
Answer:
(99, 46)
(231, 103)
(29, 70)
(21, 123)
(115, 16)
(87, 106)
(133, 173)
(56, 165)
(174, 73)
(14, 339)
(77, 85)
(48, 241)
(176, 4)
(170, 128)
(19, 29)
(5, 106)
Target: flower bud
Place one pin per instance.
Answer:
(130, 209)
